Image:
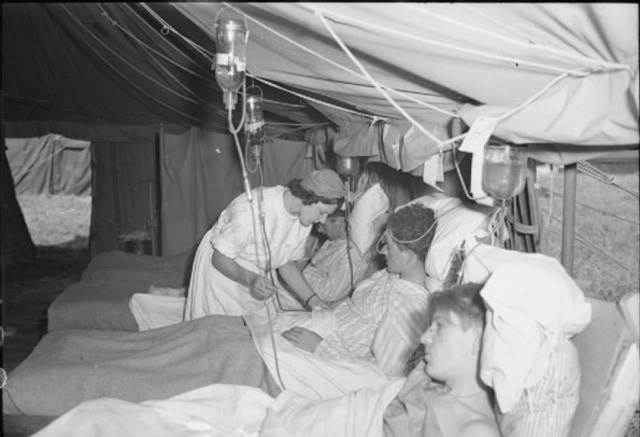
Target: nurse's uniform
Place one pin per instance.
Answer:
(233, 235)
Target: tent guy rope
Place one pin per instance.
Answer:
(263, 80)
(118, 72)
(373, 82)
(342, 67)
(206, 76)
(197, 47)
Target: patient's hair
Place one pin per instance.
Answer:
(337, 213)
(309, 197)
(410, 223)
(462, 300)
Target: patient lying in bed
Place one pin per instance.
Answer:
(453, 403)
(331, 270)
(385, 317)
(68, 367)
(443, 396)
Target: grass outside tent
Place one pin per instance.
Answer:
(606, 254)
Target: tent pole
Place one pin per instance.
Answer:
(156, 201)
(569, 215)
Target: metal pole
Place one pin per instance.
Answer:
(569, 215)
(156, 207)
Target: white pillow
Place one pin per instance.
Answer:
(369, 207)
(456, 222)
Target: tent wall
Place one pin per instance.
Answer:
(17, 245)
(200, 175)
(284, 160)
(124, 192)
(51, 164)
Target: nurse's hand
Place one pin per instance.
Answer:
(261, 287)
(303, 338)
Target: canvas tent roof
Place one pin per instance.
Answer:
(112, 64)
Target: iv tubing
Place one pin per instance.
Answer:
(247, 187)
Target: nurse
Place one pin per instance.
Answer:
(234, 263)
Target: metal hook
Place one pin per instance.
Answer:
(255, 86)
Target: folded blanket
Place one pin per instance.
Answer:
(68, 367)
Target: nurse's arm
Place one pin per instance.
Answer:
(299, 285)
(232, 269)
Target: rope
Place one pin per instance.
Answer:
(514, 110)
(117, 71)
(206, 77)
(337, 65)
(598, 267)
(601, 176)
(150, 54)
(579, 238)
(450, 46)
(138, 70)
(441, 144)
(168, 27)
(551, 193)
(302, 96)
(374, 83)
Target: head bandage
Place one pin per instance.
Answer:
(404, 241)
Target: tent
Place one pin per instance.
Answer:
(51, 164)
(396, 82)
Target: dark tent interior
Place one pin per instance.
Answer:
(403, 88)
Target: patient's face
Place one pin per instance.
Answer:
(315, 213)
(392, 253)
(333, 228)
(449, 349)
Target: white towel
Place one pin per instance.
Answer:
(531, 302)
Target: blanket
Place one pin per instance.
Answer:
(69, 367)
(100, 300)
(95, 304)
(170, 271)
(226, 410)
(303, 372)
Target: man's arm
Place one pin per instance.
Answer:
(331, 268)
(299, 285)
